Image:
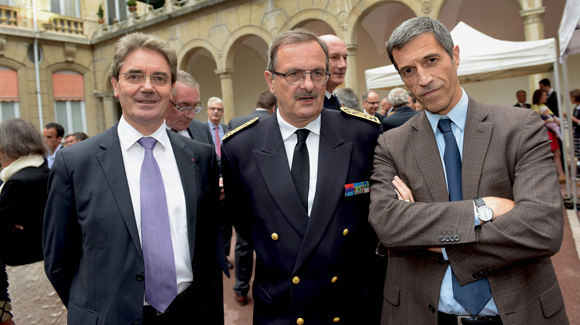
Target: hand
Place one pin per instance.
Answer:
(435, 250)
(222, 193)
(565, 116)
(498, 205)
(403, 192)
(19, 227)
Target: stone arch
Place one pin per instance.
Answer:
(315, 14)
(189, 48)
(234, 40)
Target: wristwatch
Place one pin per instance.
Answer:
(484, 212)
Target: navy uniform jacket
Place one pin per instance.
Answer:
(92, 250)
(324, 268)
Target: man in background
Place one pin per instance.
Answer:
(348, 98)
(71, 139)
(522, 96)
(52, 134)
(552, 102)
(371, 104)
(184, 103)
(337, 56)
(403, 111)
(215, 111)
(386, 106)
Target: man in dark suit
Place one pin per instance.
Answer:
(129, 234)
(552, 102)
(182, 107)
(316, 261)
(400, 100)
(371, 102)
(215, 111)
(457, 167)
(265, 106)
(337, 56)
(522, 97)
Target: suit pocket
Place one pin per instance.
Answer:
(392, 293)
(263, 294)
(79, 315)
(552, 301)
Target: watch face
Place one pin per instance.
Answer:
(484, 213)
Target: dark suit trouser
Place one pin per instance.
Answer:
(226, 227)
(244, 266)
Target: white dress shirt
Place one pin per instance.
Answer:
(312, 143)
(50, 156)
(133, 154)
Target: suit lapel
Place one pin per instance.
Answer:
(273, 164)
(333, 163)
(476, 138)
(426, 153)
(111, 160)
(193, 133)
(185, 160)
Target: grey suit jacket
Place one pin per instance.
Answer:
(238, 121)
(506, 153)
(91, 245)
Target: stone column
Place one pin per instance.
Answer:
(109, 110)
(351, 80)
(534, 30)
(227, 92)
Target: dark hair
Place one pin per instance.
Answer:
(537, 95)
(59, 129)
(295, 36)
(545, 82)
(414, 27)
(20, 138)
(576, 94)
(266, 100)
(80, 136)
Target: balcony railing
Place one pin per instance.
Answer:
(22, 18)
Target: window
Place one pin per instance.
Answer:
(116, 9)
(9, 106)
(66, 7)
(69, 101)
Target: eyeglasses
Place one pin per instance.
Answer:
(139, 78)
(184, 110)
(296, 77)
(219, 109)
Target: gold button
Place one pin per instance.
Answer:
(300, 321)
(345, 232)
(334, 279)
(275, 236)
(296, 280)
(336, 319)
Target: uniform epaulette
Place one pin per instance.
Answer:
(240, 128)
(360, 115)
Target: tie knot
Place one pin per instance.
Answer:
(444, 125)
(147, 142)
(302, 134)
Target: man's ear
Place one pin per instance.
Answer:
(115, 83)
(456, 56)
(270, 80)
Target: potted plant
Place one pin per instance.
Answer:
(132, 4)
(101, 14)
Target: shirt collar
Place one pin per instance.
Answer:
(458, 114)
(128, 135)
(287, 129)
(328, 94)
(213, 126)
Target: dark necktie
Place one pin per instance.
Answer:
(335, 102)
(160, 275)
(475, 295)
(301, 167)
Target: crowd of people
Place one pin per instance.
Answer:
(425, 207)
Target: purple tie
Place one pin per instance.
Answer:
(160, 278)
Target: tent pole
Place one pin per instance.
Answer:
(563, 150)
(566, 106)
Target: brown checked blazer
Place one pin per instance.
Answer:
(506, 153)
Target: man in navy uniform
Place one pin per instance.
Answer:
(299, 183)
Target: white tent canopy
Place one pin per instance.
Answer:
(482, 58)
(569, 31)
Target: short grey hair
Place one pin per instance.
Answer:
(348, 97)
(19, 138)
(414, 27)
(138, 41)
(398, 97)
(215, 99)
(186, 79)
(295, 36)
